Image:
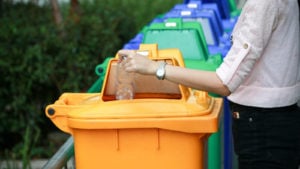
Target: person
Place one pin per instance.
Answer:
(260, 76)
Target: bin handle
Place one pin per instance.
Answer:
(175, 23)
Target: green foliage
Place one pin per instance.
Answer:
(38, 61)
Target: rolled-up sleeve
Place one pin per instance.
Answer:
(250, 37)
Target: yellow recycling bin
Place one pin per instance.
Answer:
(165, 126)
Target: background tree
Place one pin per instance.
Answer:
(38, 63)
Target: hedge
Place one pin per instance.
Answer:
(38, 64)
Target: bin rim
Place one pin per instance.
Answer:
(68, 117)
(206, 123)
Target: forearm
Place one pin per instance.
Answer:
(196, 79)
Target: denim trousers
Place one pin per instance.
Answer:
(266, 138)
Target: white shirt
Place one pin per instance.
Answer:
(262, 68)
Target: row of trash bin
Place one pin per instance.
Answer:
(166, 125)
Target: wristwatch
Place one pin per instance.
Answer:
(161, 71)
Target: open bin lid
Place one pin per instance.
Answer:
(192, 111)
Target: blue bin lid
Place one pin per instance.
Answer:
(214, 7)
(223, 7)
(137, 39)
(191, 4)
(207, 19)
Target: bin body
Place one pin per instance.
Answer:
(138, 148)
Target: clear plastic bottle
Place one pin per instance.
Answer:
(124, 83)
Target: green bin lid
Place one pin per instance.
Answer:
(174, 33)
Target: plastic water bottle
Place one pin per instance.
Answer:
(124, 82)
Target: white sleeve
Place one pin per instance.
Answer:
(250, 36)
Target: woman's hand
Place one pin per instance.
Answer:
(134, 62)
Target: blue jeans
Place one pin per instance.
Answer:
(266, 138)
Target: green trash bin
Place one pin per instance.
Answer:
(100, 70)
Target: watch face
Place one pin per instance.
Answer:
(160, 72)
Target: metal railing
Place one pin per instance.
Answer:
(62, 157)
